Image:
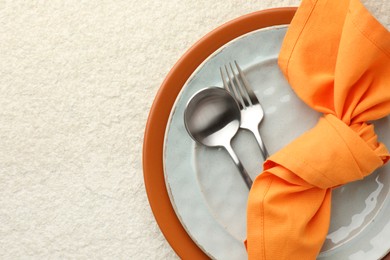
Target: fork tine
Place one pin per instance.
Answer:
(249, 92)
(243, 92)
(235, 91)
(225, 84)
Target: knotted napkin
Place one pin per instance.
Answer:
(336, 57)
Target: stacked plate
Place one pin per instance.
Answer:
(196, 193)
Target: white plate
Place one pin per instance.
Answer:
(207, 192)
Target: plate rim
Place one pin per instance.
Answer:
(152, 155)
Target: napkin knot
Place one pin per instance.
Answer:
(321, 154)
(335, 56)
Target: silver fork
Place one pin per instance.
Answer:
(251, 111)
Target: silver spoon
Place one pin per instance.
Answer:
(212, 118)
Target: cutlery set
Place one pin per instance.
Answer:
(214, 115)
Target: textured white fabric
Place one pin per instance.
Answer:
(77, 80)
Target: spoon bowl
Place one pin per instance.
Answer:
(212, 117)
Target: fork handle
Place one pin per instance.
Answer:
(244, 174)
(259, 140)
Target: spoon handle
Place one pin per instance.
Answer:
(237, 162)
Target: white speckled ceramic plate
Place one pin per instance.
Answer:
(207, 192)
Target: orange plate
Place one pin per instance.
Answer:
(160, 111)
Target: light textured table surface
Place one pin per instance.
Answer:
(77, 80)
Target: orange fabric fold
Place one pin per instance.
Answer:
(336, 57)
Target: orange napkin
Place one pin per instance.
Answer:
(336, 57)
